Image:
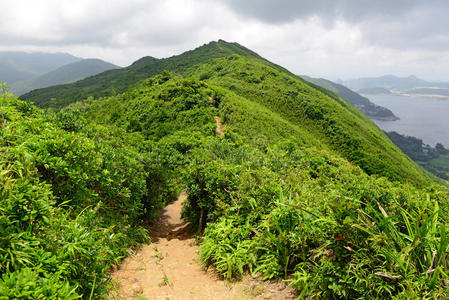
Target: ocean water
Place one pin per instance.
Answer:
(424, 118)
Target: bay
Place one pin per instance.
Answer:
(424, 118)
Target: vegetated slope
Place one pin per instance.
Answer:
(314, 117)
(370, 109)
(321, 117)
(118, 81)
(16, 66)
(65, 74)
(272, 202)
(274, 195)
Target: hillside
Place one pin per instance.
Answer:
(368, 108)
(17, 66)
(294, 184)
(65, 74)
(270, 195)
(318, 118)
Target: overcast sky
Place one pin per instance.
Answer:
(326, 38)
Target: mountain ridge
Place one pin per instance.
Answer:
(67, 73)
(118, 81)
(392, 83)
(261, 82)
(16, 66)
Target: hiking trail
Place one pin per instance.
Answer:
(169, 268)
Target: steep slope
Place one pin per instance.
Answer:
(370, 109)
(65, 74)
(321, 117)
(17, 66)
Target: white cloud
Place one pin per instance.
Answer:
(346, 38)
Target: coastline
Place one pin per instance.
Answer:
(424, 95)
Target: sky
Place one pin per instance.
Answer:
(335, 39)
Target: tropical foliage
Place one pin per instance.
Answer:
(301, 187)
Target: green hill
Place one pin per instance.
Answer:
(321, 117)
(301, 186)
(368, 108)
(65, 74)
(17, 66)
(272, 193)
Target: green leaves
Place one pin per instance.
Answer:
(71, 199)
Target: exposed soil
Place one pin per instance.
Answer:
(219, 129)
(169, 268)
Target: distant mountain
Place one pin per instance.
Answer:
(17, 66)
(65, 74)
(390, 82)
(374, 91)
(437, 92)
(368, 108)
(406, 86)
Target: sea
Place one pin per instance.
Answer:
(424, 118)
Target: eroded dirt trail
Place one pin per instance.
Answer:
(169, 268)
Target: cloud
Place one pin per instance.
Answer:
(284, 11)
(395, 24)
(339, 38)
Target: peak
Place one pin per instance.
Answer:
(144, 60)
(222, 47)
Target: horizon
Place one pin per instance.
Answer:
(338, 40)
(124, 66)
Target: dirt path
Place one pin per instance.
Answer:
(219, 128)
(169, 268)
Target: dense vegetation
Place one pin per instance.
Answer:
(301, 187)
(71, 200)
(274, 206)
(434, 159)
